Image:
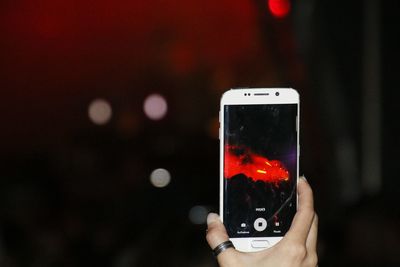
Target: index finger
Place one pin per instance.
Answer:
(303, 219)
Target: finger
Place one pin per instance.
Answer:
(311, 242)
(216, 234)
(305, 213)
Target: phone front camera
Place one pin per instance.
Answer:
(277, 93)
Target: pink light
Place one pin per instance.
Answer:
(155, 106)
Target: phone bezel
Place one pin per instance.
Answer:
(250, 96)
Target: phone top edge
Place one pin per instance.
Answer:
(259, 89)
(260, 96)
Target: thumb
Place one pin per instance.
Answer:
(216, 233)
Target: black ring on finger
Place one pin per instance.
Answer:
(221, 247)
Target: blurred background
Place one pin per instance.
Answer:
(109, 124)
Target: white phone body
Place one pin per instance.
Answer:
(259, 97)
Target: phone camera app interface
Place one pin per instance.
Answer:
(260, 169)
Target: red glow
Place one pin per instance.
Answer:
(238, 160)
(279, 8)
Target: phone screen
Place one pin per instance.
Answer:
(260, 169)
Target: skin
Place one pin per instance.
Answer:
(296, 249)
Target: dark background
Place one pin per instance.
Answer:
(73, 193)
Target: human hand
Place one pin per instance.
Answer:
(296, 249)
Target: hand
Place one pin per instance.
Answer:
(296, 249)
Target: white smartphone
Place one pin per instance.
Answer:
(259, 164)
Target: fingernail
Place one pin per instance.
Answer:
(303, 177)
(212, 217)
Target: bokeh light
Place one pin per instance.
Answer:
(100, 111)
(198, 214)
(155, 106)
(160, 177)
(279, 8)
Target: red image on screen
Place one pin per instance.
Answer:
(241, 160)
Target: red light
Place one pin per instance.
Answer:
(241, 160)
(279, 8)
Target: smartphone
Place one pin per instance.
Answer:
(259, 164)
